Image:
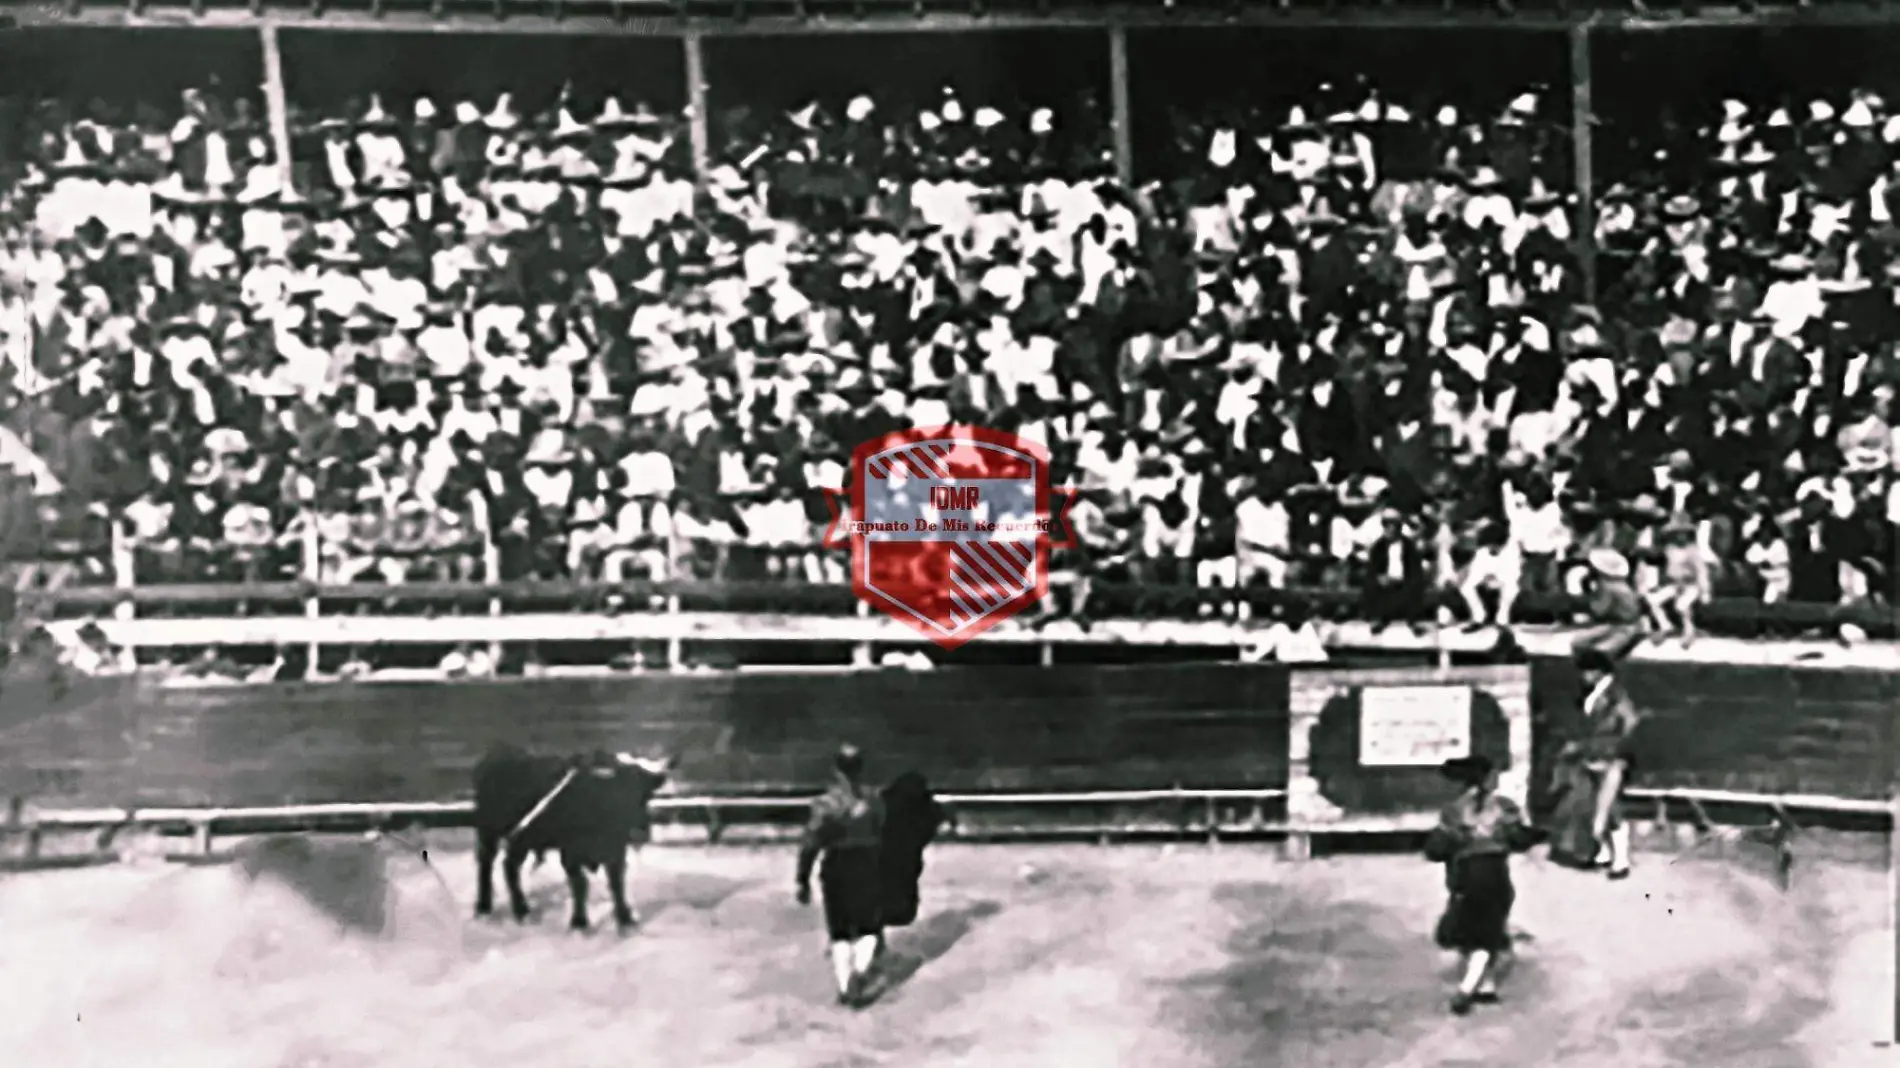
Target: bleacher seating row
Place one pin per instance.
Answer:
(1346, 341)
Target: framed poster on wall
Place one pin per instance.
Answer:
(1413, 726)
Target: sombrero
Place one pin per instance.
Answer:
(1609, 563)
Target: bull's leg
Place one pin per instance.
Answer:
(624, 916)
(577, 889)
(485, 849)
(511, 871)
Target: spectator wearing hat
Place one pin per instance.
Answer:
(1615, 612)
(1817, 542)
(1397, 589)
(1059, 276)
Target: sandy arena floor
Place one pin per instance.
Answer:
(1155, 957)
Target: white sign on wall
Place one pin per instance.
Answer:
(1413, 726)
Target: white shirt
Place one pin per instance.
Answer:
(1536, 530)
(476, 423)
(780, 522)
(650, 473)
(550, 485)
(446, 348)
(1490, 566)
(1792, 303)
(1263, 525)
(1238, 403)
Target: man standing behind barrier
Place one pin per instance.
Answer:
(1609, 721)
(846, 830)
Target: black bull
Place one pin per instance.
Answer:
(591, 809)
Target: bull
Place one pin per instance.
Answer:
(589, 809)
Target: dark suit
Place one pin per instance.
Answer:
(1330, 270)
(1814, 555)
(1397, 588)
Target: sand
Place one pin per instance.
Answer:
(1159, 957)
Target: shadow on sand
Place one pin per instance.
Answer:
(651, 894)
(908, 951)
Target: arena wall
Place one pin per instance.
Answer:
(1769, 730)
(995, 729)
(119, 742)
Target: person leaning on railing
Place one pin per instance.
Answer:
(1538, 536)
(1072, 567)
(1396, 588)
(259, 549)
(1616, 615)
(700, 543)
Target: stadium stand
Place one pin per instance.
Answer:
(1352, 348)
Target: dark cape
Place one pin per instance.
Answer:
(912, 818)
(1572, 841)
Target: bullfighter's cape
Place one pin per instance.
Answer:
(1610, 721)
(912, 818)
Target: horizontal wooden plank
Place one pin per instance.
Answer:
(671, 18)
(415, 811)
(260, 600)
(650, 18)
(1794, 803)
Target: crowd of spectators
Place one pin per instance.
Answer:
(1346, 345)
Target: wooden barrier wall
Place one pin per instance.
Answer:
(970, 730)
(1770, 730)
(1332, 785)
(107, 742)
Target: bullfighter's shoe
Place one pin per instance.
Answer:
(1461, 1003)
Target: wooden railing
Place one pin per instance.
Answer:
(1735, 617)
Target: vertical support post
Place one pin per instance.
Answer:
(124, 565)
(1118, 90)
(1583, 157)
(861, 651)
(312, 574)
(491, 563)
(697, 112)
(674, 644)
(1893, 881)
(275, 102)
